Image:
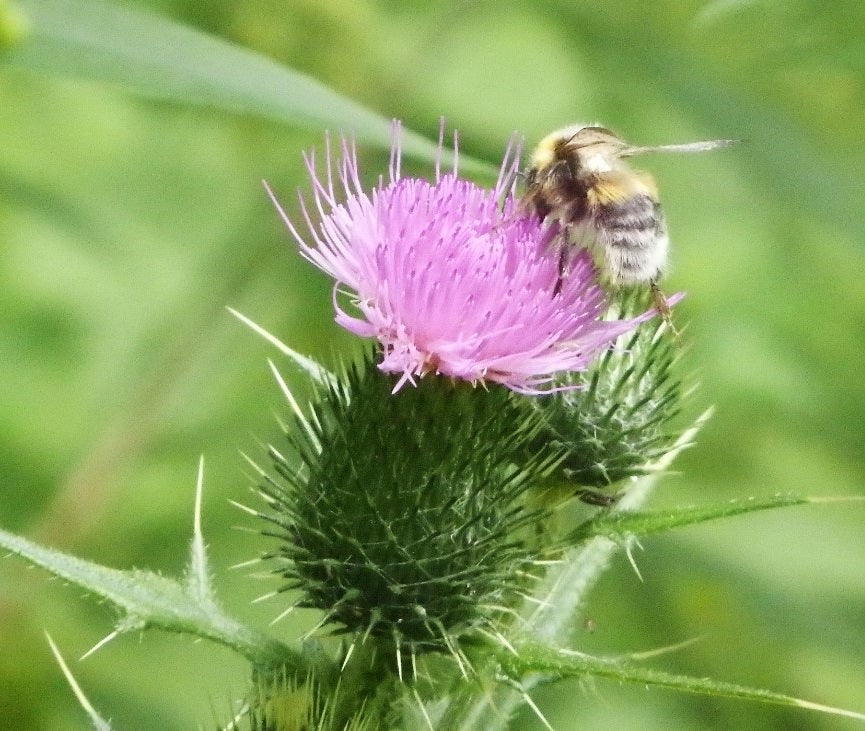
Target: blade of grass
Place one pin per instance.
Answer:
(157, 57)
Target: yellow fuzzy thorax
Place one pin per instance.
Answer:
(618, 186)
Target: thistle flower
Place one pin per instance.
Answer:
(451, 278)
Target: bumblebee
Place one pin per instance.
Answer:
(578, 178)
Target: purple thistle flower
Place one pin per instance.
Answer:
(451, 278)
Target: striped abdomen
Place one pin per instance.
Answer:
(630, 228)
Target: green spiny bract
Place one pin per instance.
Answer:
(401, 514)
(616, 423)
(280, 701)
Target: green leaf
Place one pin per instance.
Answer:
(618, 526)
(149, 600)
(160, 58)
(535, 658)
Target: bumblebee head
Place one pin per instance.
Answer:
(591, 148)
(588, 148)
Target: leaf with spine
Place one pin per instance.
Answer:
(160, 58)
(620, 526)
(148, 600)
(556, 664)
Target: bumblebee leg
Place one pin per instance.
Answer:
(563, 269)
(563, 242)
(661, 306)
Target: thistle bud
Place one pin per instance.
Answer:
(613, 420)
(401, 514)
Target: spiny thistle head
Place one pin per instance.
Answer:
(401, 515)
(452, 278)
(616, 422)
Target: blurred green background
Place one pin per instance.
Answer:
(127, 225)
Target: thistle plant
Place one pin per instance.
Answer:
(409, 502)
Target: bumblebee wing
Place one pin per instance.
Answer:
(582, 234)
